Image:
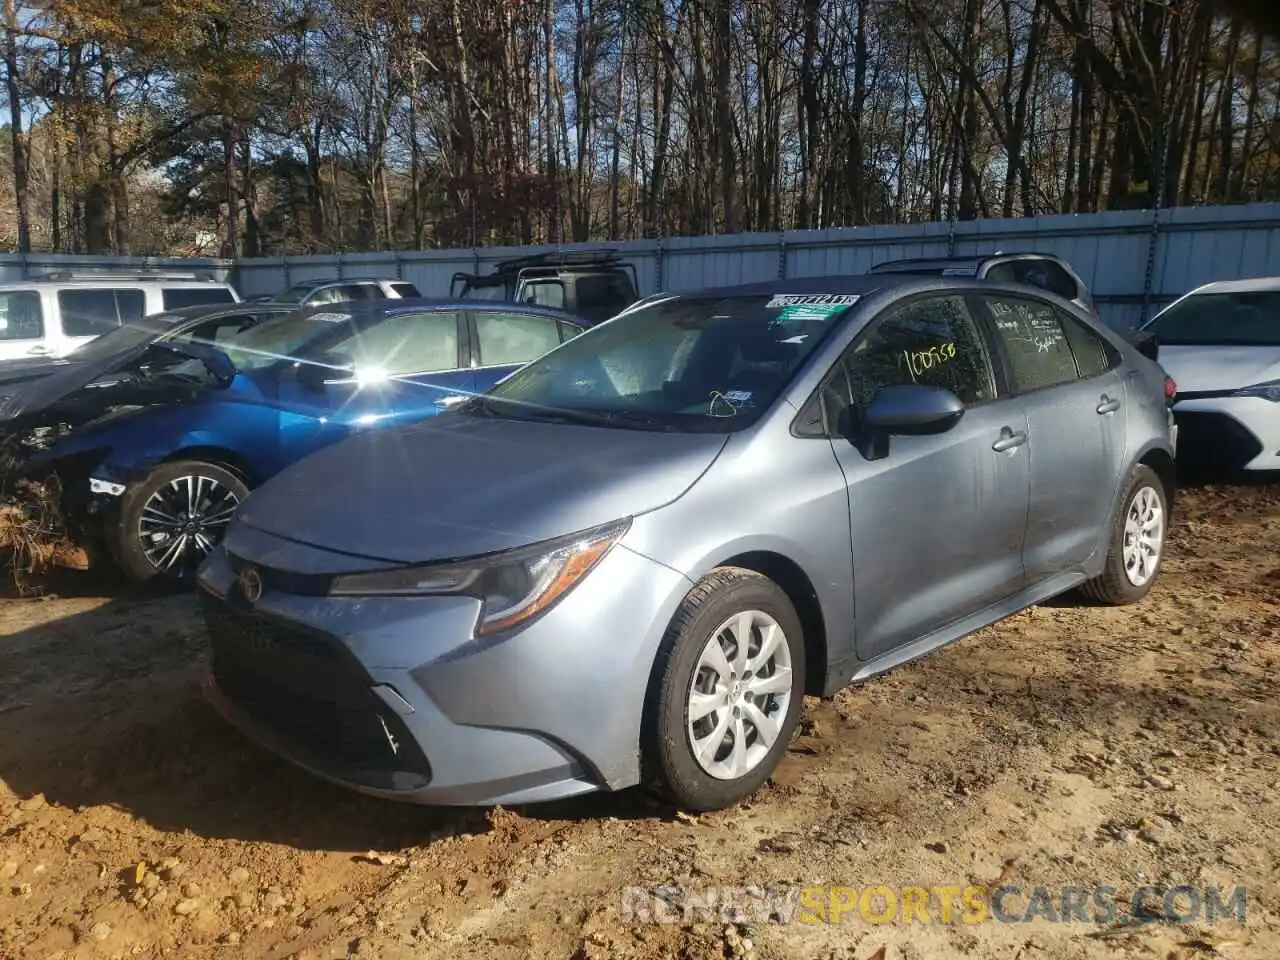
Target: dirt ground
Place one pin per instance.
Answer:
(1069, 745)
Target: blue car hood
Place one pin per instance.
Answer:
(458, 486)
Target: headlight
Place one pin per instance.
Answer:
(1264, 391)
(512, 586)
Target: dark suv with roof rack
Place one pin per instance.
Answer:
(594, 284)
(1042, 270)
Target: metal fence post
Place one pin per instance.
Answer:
(782, 255)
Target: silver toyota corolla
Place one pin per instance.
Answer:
(634, 557)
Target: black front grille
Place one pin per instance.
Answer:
(1214, 439)
(310, 691)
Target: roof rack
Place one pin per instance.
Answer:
(559, 259)
(116, 273)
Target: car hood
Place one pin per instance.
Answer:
(24, 397)
(1199, 369)
(459, 485)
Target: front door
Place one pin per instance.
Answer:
(405, 368)
(937, 524)
(1072, 436)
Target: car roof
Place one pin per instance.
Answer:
(200, 310)
(1251, 285)
(860, 284)
(974, 263)
(410, 304)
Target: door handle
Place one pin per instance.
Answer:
(1009, 440)
(451, 400)
(1108, 405)
(38, 350)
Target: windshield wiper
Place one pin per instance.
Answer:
(509, 410)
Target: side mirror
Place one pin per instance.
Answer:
(905, 410)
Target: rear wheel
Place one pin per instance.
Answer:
(727, 691)
(1136, 549)
(170, 521)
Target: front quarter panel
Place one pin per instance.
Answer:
(767, 492)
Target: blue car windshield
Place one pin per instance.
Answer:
(283, 339)
(697, 364)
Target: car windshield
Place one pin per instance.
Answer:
(281, 339)
(677, 364)
(122, 339)
(1245, 319)
(295, 294)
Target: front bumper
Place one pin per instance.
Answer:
(1236, 433)
(393, 697)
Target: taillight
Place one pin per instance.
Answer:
(1170, 390)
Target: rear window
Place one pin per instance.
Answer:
(21, 316)
(405, 289)
(601, 295)
(175, 298)
(93, 312)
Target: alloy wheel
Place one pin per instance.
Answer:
(739, 695)
(1143, 536)
(183, 521)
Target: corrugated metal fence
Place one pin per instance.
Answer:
(1134, 261)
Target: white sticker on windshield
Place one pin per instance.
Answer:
(800, 339)
(811, 300)
(331, 317)
(737, 396)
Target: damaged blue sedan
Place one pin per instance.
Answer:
(155, 446)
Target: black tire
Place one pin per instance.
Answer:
(1113, 586)
(666, 751)
(125, 539)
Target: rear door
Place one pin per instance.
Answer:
(503, 342)
(1075, 415)
(24, 331)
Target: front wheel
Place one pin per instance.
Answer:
(1135, 550)
(170, 521)
(727, 691)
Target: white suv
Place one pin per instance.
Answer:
(52, 315)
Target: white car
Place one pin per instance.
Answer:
(51, 315)
(1221, 345)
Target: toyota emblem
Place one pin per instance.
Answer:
(251, 584)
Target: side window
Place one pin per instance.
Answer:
(21, 316)
(405, 343)
(932, 341)
(219, 329)
(545, 293)
(91, 313)
(507, 338)
(1034, 342)
(131, 306)
(1094, 356)
(569, 330)
(405, 289)
(326, 295)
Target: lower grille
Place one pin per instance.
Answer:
(308, 690)
(1215, 439)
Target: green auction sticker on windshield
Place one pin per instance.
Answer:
(838, 301)
(807, 312)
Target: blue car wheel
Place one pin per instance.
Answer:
(170, 521)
